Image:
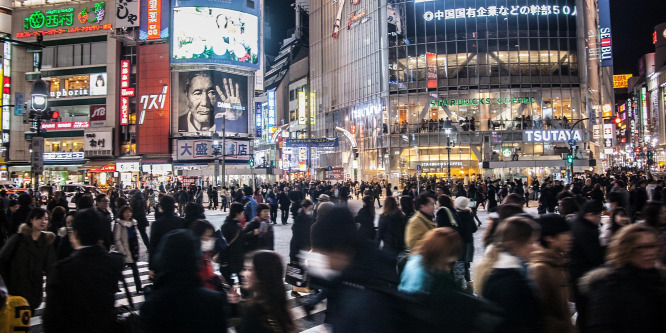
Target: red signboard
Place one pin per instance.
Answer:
(66, 125)
(154, 18)
(431, 69)
(154, 107)
(125, 92)
(106, 168)
(98, 115)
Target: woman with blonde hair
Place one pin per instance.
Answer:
(502, 276)
(629, 293)
(429, 269)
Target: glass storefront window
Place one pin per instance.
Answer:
(63, 145)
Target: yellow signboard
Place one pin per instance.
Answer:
(621, 81)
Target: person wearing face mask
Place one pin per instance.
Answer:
(300, 239)
(26, 256)
(205, 231)
(502, 276)
(127, 243)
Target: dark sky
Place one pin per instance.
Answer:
(281, 17)
(632, 24)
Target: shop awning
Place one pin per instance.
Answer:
(100, 166)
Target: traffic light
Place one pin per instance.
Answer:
(617, 120)
(649, 154)
(50, 115)
(570, 159)
(251, 162)
(273, 164)
(638, 150)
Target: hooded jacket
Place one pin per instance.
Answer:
(417, 226)
(23, 263)
(625, 299)
(550, 272)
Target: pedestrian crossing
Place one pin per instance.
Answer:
(315, 325)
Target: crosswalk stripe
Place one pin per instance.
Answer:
(296, 307)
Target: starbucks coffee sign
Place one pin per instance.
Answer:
(482, 101)
(554, 135)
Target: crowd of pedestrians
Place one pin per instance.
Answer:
(590, 260)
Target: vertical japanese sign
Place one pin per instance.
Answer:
(271, 113)
(313, 108)
(125, 92)
(258, 118)
(127, 13)
(154, 19)
(5, 75)
(301, 108)
(431, 69)
(605, 33)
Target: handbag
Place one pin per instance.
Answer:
(295, 275)
(127, 317)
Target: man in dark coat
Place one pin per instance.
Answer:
(21, 214)
(81, 288)
(102, 206)
(586, 252)
(295, 197)
(283, 198)
(167, 222)
(138, 205)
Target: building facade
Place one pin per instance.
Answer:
(463, 87)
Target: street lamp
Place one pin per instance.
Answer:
(448, 152)
(39, 96)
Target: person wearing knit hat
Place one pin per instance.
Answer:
(549, 271)
(466, 228)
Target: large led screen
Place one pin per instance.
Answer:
(215, 35)
(206, 97)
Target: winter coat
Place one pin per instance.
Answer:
(391, 232)
(123, 241)
(625, 300)
(366, 221)
(264, 240)
(586, 252)
(300, 239)
(550, 272)
(23, 263)
(508, 287)
(19, 217)
(81, 292)
(162, 226)
(417, 279)
(108, 221)
(234, 255)
(466, 229)
(417, 226)
(138, 205)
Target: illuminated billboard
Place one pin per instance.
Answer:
(621, 80)
(215, 35)
(206, 96)
(153, 19)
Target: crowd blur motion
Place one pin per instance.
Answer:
(588, 258)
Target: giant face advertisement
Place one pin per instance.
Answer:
(203, 34)
(208, 96)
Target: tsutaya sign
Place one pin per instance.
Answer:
(555, 135)
(482, 101)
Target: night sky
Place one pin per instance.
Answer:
(282, 20)
(632, 24)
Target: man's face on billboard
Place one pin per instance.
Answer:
(200, 99)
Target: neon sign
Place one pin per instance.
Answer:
(64, 17)
(495, 11)
(126, 91)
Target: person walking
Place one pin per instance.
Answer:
(421, 221)
(300, 239)
(466, 228)
(138, 208)
(27, 256)
(391, 230)
(273, 202)
(166, 223)
(284, 204)
(231, 259)
(267, 310)
(126, 242)
(89, 278)
(365, 219)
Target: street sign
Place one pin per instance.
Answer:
(37, 156)
(330, 168)
(418, 167)
(572, 142)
